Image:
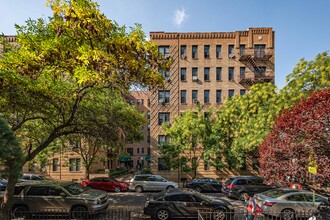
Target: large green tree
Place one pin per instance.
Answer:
(187, 134)
(52, 82)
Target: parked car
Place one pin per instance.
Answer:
(185, 204)
(288, 204)
(235, 187)
(26, 177)
(148, 182)
(67, 197)
(204, 185)
(105, 183)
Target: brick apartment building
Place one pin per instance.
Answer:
(207, 68)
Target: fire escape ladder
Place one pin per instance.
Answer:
(255, 66)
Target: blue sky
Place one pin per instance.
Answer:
(302, 28)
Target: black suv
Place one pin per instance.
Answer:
(235, 187)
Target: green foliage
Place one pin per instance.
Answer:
(10, 151)
(117, 172)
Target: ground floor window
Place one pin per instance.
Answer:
(75, 164)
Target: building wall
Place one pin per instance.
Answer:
(249, 38)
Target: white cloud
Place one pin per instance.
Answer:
(180, 16)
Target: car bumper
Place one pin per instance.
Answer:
(98, 208)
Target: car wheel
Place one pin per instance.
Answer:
(117, 189)
(79, 212)
(139, 189)
(163, 214)
(198, 189)
(21, 212)
(288, 214)
(240, 196)
(169, 188)
(219, 214)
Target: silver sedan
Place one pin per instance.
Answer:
(288, 204)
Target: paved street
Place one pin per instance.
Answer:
(135, 202)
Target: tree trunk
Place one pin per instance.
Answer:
(9, 196)
(87, 172)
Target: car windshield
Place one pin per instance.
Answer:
(228, 181)
(203, 196)
(275, 193)
(75, 188)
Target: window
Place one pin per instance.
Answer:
(148, 151)
(194, 96)
(206, 96)
(183, 96)
(162, 164)
(242, 72)
(241, 182)
(230, 93)
(129, 150)
(296, 198)
(165, 74)
(142, 150)
(183, 52)
(255, 163)
(55, 165)
(194, 51)
(164, 50)
(148, 139)
(163, 118)
(231, 73)
(207, 74)
(242, 92)
(183, 74)
(148, 127)
(218, 51)
(75, 164)
(55, 191)
(163, 139)
(194, 73)
(138, 101)
(259, 50)
(206, 51)
(142, 101)
(148, 102)
(218, 96)
(38, 191)
(230, 51)
(206, 165)
(138, 150)
(262, 70)
(131, 101)
(148, 115)
(218, 73)
(243, 165)
(164, 96)
(242, 49)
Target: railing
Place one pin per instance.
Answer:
(113, 214)
(256, 54)
(287, 214)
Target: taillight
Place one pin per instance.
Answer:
(231, 186)
(269, 203)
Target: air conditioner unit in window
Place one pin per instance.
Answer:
(167, 123)
(231, 55)
(195, 101)
(161, 100)
(194, 78)
(183, 56)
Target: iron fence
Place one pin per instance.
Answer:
(242, 215)
(109, 214)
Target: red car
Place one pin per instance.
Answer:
(105, 183)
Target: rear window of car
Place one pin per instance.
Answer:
(275, 193)
(228, 181)
(141, 178)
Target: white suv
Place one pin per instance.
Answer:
(148, 182)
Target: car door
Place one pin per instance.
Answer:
(159, 183)
(296, 202)
(177, 205)
(109, 184)
(57, 200)
(216, 186)
(96, 183)
(37, 198)
(309, 200)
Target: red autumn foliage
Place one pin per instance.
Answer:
(297, 134)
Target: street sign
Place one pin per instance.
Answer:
(312, 170)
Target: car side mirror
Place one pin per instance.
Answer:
(63, 194)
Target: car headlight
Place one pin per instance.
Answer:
(95, 202)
